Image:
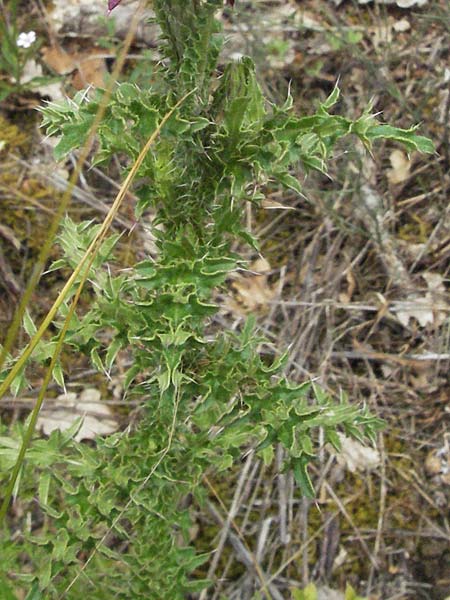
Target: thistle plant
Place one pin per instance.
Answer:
(110, 520)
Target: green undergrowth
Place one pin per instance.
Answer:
(11, 137)
(310, 592)
(107, 520)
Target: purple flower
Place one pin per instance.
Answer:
(112, 4)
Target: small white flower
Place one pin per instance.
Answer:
(26, 39)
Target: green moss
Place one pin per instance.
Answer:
(11, 138)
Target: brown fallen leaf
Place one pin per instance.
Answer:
(356, 457)
(97, 417)
(252, 293)
(346, 297)
(58, 60)
(91, 69)
(88, 67)
(433, 464)
(431, 309)
(401, 167)
(402, 25)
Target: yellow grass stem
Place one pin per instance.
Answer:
(37, 407)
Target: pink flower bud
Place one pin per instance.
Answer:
(112, 4)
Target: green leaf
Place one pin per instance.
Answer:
(350, 593)
(7, 592)
(58, 375)
(28, 324)
(333, 438)
(34, 593)
(308, 593)
(96, 360)
(18, 384)
(44, 486)
(300, 467)
(289, 181)
(267, 454)
(74, 136)
(224, 462)
(332, 99)
(60, 543)
(197, 585)
(407, 137)
(113, 350)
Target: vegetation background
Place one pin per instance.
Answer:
(353, 277)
